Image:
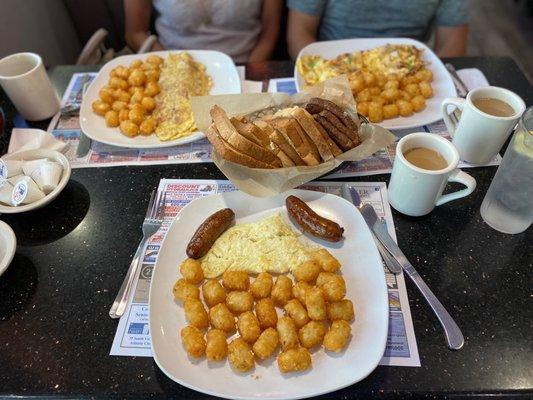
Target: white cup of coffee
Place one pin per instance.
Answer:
(488, 116)
(424, 163)
(24, 79)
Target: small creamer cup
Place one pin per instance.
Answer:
(26, 191)
(14, 179)
(415, 191)
(6, 189)
(29, 166)
(47, 176)
(9, 168)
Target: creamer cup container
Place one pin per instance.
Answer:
(9, 168)
(6, 189)
(26, 191)
(47, 176)
(29, 166)
(14, 179)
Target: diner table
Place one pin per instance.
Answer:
(72, 255)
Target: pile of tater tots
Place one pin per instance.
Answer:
(313, 308)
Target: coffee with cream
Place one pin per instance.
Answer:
(424, 158)
(495, 107)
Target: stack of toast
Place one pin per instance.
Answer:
(296, 136)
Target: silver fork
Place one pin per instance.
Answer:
(151, 224)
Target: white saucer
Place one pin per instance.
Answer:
(8, 245)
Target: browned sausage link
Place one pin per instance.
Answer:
(208, 232)
(311, 222)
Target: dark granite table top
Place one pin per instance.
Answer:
(55, 333)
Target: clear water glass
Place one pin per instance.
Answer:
(508, 204)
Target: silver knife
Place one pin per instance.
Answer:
(389, 260)
(462, 90)
(454, 336)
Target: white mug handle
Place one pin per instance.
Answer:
(457, 102)
(460, 177)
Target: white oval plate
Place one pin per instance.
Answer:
(8, 246)
(35, 155)
(366, 287)
(218, 65)
(442, 82)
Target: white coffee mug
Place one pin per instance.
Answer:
(479, 136)
(415, 191)
(24, 79)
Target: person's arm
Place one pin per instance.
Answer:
(451, 41)
(302, 29)
(270, 24)
(137, 15)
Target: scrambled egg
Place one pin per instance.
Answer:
(181, 78)
(267, 245)
(389, 59)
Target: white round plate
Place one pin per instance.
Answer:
(35, 155)
(365, 280)
(218, 65)
(8, 245)
(442, 82)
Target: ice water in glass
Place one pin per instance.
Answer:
(508, 204)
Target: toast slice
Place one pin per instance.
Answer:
(308, 124)
(284, 158)
(251, 132)
(239, 142)
(280, 141)
(288, 127)
(229, 153)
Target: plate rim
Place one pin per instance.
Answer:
(380, 42)
(372, 366)
(11, 246)
(198, 135)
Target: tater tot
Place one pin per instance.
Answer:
(136, 64)
(288, 334)
(195, 312)
(299, 290)
(327, 262)
(236, 280)
(118, 83)
(122, 72)
(106, 95)
(407, 80)
(266, 313)
(148, 103)
(216, 346)
(374, 91)
(418, 102)
(405, 108)
(136, 116)
(370, 79)
(307, 271)
(405, 96)
(111, 119)
(337, 336)
(357, 84)
(213, 292)
(153, 59)
(364, 95)
(119, 105)
(391, 84)
(191, 270)
(123, 114)
(297, 312)
(294, 360)
(100, 108)
(193, 341)
(183, 290)
(221, 317)
(152, 75)
(342, 309)
(239, 301)
(424, 75)
(240, 356)
(425, 89)
(312, 334)
(151, 89)
(413, 89)
(362, 108)
(148, 126)
(390, 111)
(332, 285)
(248, 326)
(381, 79)
(128, 128)
(315, 304)
(122, 95)
(282, 290)
(375, 112)
(137, 97)
(262, 285)
(137, 77)
(267, 343)
(390, 94)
